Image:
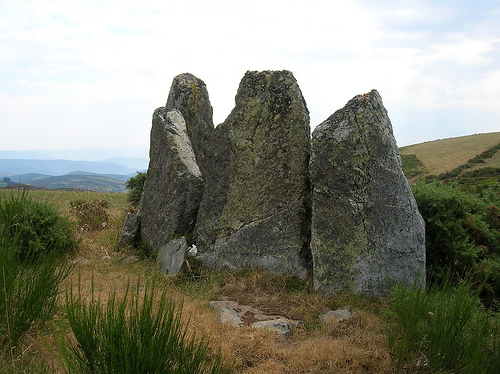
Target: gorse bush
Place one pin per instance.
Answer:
(412, 166)
(38, 228)
(462, 236)
(443, 329)
(141, 332)
(92, 214)
(135, 184)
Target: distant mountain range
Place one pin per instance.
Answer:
(75, 181)
(10, 167)
(35, 168)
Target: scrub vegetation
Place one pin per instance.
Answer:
(71, 300)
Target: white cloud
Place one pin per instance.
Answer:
(103, 67)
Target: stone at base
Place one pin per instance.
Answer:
(171, 256)
(335, 316)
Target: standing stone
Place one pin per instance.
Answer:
(256, 208)
(189, 95)
(174, 185)
(367, 232)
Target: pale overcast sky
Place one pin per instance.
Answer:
(89, 74)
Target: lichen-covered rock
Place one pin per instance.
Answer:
(174, 185)
(189, 95)
(256, 208)
(366, 229)
(171, 256)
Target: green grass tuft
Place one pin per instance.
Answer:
(443, 329)
(28, 291)
(140, 332)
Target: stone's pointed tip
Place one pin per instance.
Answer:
(361, 192)
(185, 76)
(264, 142)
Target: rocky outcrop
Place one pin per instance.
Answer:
(174, 184)
(189, 95)
(257, 192)
(255, 210)
(366, 229)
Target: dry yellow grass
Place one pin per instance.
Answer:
(353, 346)
(444, 155)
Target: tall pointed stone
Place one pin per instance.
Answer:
(256, 208)
(174, 184)
(366, 229)
(189, 95)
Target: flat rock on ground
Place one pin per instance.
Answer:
(238, 315)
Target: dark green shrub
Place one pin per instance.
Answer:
(462, 235)
(412, 166)
(483, 173)
(91, 214)
(142, 332)
(37, 227)
(135, 184)
(442, 330)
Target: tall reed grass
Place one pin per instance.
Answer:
(443, 329)
(140, 332)
(28, 291)
(32, 237)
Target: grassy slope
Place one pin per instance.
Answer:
(83, 182)
(446, 154)
(354, 346)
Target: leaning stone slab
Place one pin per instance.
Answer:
(189, 95)
(130, 230)
(366, 233)
(255, 210)
(171, 256)
(174, 185)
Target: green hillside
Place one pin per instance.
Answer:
(82, 182)
(445, 155)
(97, 183)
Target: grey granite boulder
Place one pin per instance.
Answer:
(256, 206)
(174, 185)
(367, 232)
(171, 256)
(189, 95)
